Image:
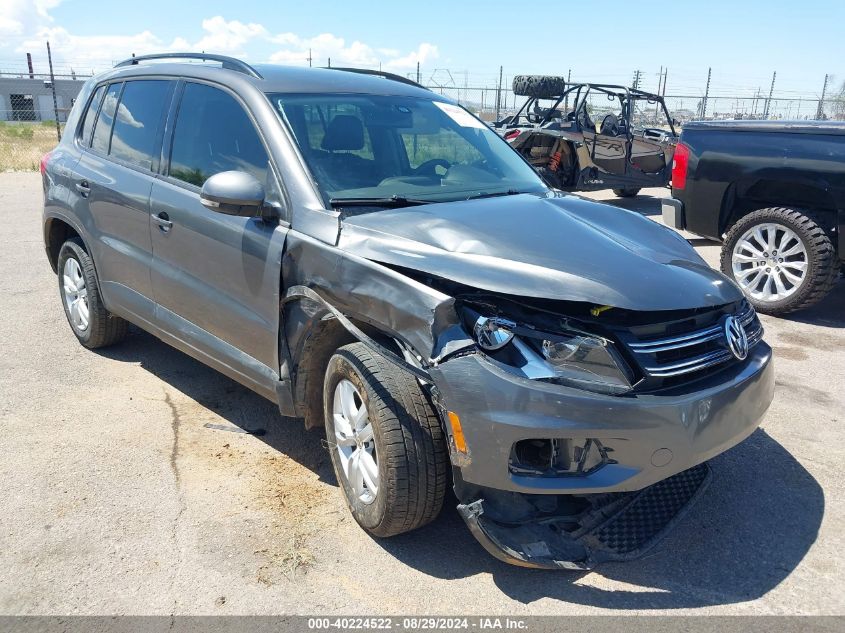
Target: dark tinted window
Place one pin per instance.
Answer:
(213, 133)
(90, 115)
(102, 131)
(138, 117)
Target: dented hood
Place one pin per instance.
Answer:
(562, 248)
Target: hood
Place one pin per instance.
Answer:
(561, 248)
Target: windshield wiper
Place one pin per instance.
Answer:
(392, 201)
(495, 194)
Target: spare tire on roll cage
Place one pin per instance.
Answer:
(539, 86)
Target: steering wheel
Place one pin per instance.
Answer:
(610, 125)
(428, 167)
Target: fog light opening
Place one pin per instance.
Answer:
(558, 457)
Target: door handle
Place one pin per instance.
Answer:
(163, 221)
(83, 188)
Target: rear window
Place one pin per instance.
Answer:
(139, 114)
(90, 115)
(102, 130)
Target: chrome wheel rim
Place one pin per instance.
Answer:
(769, 262)
(354, 441)
(76, 294)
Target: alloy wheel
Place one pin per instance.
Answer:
(354, 441)
(769, 262)
(75, 294)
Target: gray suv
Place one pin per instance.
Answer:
(373, 258)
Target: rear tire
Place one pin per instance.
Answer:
(403, 453)
(798, 276)
(626, 193)
(539, 86)
(92, 324)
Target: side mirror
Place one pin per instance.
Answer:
(233, 193)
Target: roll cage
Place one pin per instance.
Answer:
(532, 112)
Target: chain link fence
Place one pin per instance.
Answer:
(490, 103)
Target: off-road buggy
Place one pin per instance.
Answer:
(585, 137)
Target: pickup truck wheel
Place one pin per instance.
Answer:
(385, 441)
(781, 258)
(626, 193)
(92, 324)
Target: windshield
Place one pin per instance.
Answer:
(389, 147)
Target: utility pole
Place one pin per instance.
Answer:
(635, 84)
(418, 72)
(53, 88)
(330, 62)
(657, 105)
(29, 65)
(499, 94)
(568, 81)
(706, 94)
(820, 111)
(309, 58)
(769, 100)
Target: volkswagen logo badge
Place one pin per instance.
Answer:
(737, 338)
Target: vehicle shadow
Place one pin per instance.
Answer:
(748, 531)
(241, 407)
(829, 312)
(641, 203)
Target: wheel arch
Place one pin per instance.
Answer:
(747, 195)
(56, 232)
(313, 331)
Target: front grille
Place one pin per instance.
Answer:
(689, 346)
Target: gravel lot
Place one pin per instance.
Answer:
(129, 488)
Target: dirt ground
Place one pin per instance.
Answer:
(138, 481)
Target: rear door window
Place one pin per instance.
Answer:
(91, 115)
(213, 133)
(139, 116)
(102, 130)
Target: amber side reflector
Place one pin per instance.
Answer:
(457, 432)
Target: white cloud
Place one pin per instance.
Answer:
(328, 46)
(322, 47)
(26, 24)
(227, 37)
(21, 17)
(424, 53)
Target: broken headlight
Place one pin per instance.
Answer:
(588, 362)
(575, 359)
(492, 333)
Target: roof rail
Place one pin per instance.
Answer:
(379, 73)
(230, 63)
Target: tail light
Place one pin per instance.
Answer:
(43, 164)
(680, 162)
(512, 135)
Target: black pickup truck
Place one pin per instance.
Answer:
(774, 193)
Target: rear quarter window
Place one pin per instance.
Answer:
(102, 129)
(91, 115)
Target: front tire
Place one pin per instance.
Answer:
(92, 324)
(385, 441)
(781, 258)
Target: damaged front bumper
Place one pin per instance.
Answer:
(608, 527)
(653, 449)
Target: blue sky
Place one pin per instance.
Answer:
(744, 42)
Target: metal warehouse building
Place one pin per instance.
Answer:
(25, 99)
